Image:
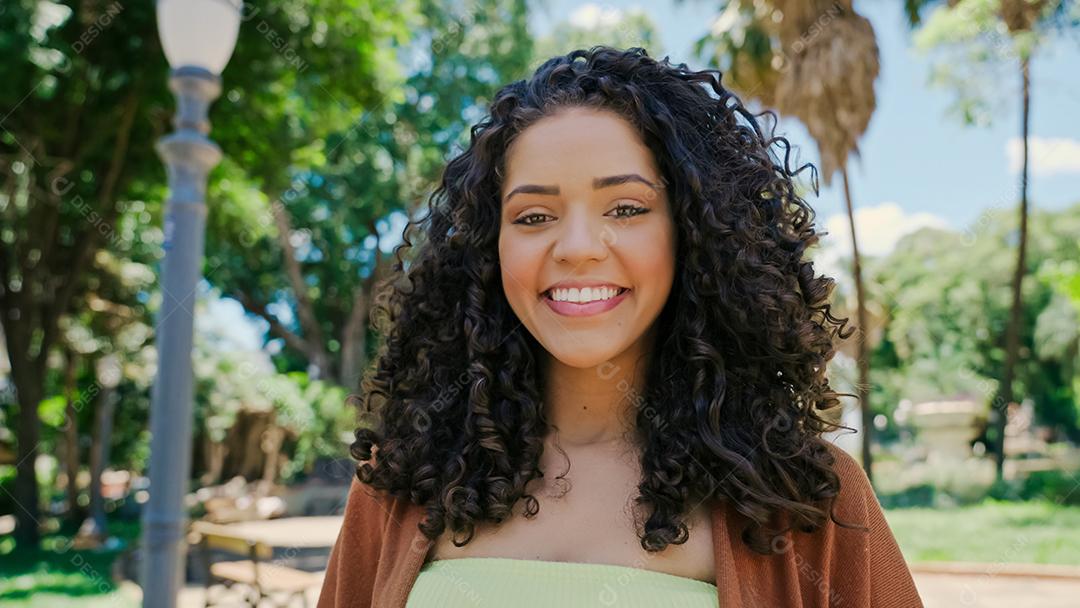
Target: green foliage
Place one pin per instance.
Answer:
(231, 379)
(301, 71)
(327, 422)
(921, 495)
(1059, 487)
(744, 48)
(1064, 275)
(51, 410)
(946, 316)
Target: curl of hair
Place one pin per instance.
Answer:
(737, 386)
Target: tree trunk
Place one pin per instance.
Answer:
(354, 335)
(318, 357)
(862, 357)
(1012, 333)
(354, 343)
(244, 451)
(271, 446)
(29, 380)
(99, 455)
(214, 454)
(71, 435)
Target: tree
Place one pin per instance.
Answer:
(80, 118)
(816, 61)
(250, 418)
(307, 258)
(110, 335)
(945, 315)
(987, 32)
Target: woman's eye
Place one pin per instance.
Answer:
(523, 220)
(631, 210)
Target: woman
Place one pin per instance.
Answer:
(603, 381)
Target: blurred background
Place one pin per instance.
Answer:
(142, 245)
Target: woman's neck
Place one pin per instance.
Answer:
(595, 405)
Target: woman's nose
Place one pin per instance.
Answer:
(582, 238)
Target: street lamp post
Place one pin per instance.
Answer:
(198, 37)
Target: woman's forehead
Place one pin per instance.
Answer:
(577, 146)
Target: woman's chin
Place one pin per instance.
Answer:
(584, 357)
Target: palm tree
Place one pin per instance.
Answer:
(1022, 19)
(816, 60)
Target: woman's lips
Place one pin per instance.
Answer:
(573, 309)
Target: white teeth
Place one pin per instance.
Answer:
(584, 295)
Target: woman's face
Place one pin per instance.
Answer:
(584, 205)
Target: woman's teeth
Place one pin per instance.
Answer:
(585, 295)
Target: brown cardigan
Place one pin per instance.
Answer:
(379, 552)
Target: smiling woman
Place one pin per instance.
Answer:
(605, 370)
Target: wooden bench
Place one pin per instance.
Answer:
(263, 578)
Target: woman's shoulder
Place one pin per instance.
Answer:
(368, 508)
(377, 513)
(876, 570)
(855, 487)
(375, 526)
(844, 463)
(856, 562)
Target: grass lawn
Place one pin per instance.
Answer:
(1037, 532)
(55, 575)
(79, 579)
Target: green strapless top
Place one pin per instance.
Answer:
(525, 583)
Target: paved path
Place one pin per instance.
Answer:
(988, 591)
(192, 597)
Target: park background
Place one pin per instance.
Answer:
(335, 119)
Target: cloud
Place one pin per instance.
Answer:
(593, 16)
(878, 229)
(1046, 155)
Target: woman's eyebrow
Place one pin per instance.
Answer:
(532, 189)
(615, 180)
(599, 182)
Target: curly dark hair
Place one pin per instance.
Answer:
(737, 387)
